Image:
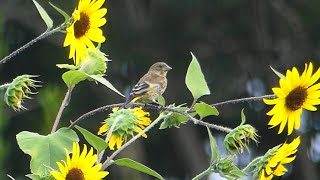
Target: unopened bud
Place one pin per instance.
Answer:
(239, 138)
(20, 89)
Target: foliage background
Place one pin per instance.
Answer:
(234, 41)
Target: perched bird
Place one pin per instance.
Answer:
(151, 85)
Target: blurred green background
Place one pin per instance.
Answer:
(235, 41)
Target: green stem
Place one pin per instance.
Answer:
(201, 175)
(114, 154)
(33, 41)
(250, 164)
(196, 121)
(64, 104)
(254, 98)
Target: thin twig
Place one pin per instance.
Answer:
(196, 121)
(160, 108)
(234, 101)
(33, 41)
(64, 104)
(90, 113)
(114, 154)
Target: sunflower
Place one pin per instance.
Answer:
(79, 166)
(294, 94)
(128, 122)
(87, 20)
(276, 158)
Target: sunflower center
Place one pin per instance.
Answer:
(75, 174)
(296, 98)
(82, 25)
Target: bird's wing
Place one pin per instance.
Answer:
(138, 90)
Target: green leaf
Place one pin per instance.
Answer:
(204, 110)
(67, 66)
(33, 176)
(98, 143)
(126, 162)
(44, 15)
(214, 147)
(195, 81)
(243, 117)
(105, 82)
(161, 100)
(45, 151)
(73, 77)
(64, 14)
(280, 75)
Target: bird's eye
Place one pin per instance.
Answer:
(160, 66)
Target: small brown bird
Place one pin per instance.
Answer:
(151, 85)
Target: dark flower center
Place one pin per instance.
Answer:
(296, 98)
(75, 174)
(82, 26)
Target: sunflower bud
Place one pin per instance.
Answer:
(95, 63)
(227, 169)
(126, 122)
(18, 90)
(239, 138)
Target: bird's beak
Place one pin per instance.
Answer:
(168, 68)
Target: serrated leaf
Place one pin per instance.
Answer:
(195, 81)
(67, 66)
(44, 15)
(214, 147)
(73, 77)
(45, 151)
(126, 162)
(204, 110)
(64, 14)
(105, 82)
(280, 75)
(98, 143)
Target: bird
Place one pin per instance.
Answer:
(150, 86)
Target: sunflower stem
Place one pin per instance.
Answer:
(64, 104)
(114, 154)
(202, 174)
(254, 98)
(250, 164)
(33, 41)
(91, 113)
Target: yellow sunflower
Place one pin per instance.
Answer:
(79, 166)
(274, 166)
(87, 20)
(294, 94)
(129, 121)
